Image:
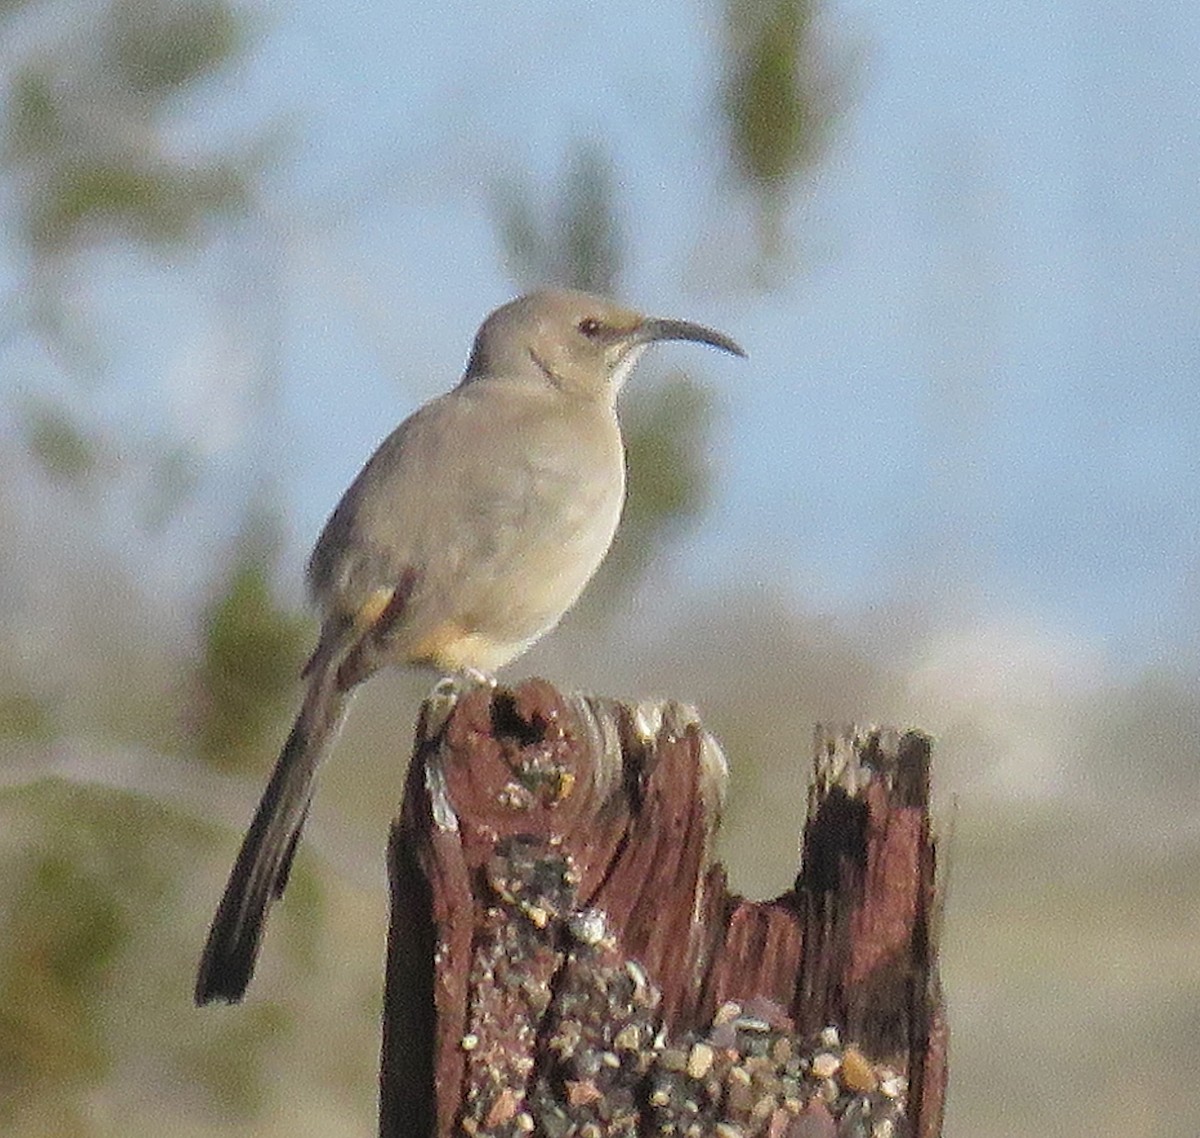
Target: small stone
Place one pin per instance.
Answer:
(525, 1122)
(589, 926)
(893, 1085)
(673, 1059)
(739, 1092)
(855, 1121)
(760, 1068)
(503, 1110)
(609, 1059)
(825, 1065)
(629, 1038)
(566, 783)
(727, 1012)
(814, 1121)
(538, 916)
(830, 1037)
(777, 1127)
(659, 1097)
(728, 1130)
(781, 1050)
(884, 1128)
(761, 1111)
(724, 1036)
(857, 1072)
(469, 1041)
(582, 1092)
(700, 1060)
(775, 1014)
(828, 1091)
(755, 1024)
(636, 973)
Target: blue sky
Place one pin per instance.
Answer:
(978, 387)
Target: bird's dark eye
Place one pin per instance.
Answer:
(590, 327)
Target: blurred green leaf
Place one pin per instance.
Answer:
(780, 99)
(163, 44)
(88, 881)
(61, 448)
(161, 204)
(83, 127)
(253, 649)
(34, 120)
(63, 929)
(573, 241)
(174, 475)
(24, 716)
(526, 248)
(665, 446)
(591, 252)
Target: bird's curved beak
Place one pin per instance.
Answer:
(653, 329)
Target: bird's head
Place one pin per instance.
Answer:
(579, 343)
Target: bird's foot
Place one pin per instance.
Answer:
(444, 696)
(475, 678)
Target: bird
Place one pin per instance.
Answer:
(466, 537)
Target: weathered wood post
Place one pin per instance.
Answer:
(564, 957)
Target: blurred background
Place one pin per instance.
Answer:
(956, 487)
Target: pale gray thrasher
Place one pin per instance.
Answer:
(469, 533)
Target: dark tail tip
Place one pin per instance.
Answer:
(227, 962)
(265, 859)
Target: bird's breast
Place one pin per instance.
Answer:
(539, 533)
(497, 504)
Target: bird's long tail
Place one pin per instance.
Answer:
(265, 859)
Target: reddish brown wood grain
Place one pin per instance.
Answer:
(552, 876)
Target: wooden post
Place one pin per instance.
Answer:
(564, 958)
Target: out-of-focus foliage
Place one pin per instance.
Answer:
(85, 146)
(94, 952)
(23, 715)
(63, 449)
(171, 477)
(88, 155)
(91, 898)
(780, 102)
(67, 905)
(159, 45)
(667, 450)
(252, 651)
(573, 241)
